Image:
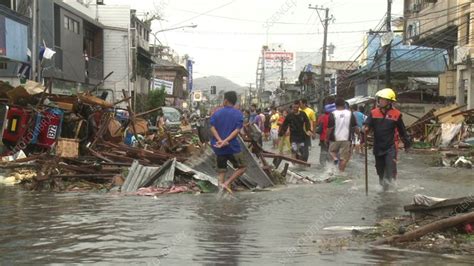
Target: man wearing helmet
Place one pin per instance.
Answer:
(387, 124)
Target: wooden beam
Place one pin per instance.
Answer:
(429, 228)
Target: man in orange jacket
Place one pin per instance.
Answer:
(387, 124)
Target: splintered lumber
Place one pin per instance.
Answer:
(467, 112)
(286, 158)
(98, 155)
(148, 112)
(123, 100)
(87, 170)
(85, 176)
(429, 228)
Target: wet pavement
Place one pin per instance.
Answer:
(282, 225)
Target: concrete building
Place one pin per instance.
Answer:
(172, 76)
(407, 62)
(90, 42)
(77, 40)
(14, 43)
(446, 24)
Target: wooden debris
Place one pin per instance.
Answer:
(429, 228)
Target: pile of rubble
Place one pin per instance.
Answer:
(82, 142)
(450, 126)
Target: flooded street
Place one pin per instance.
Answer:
(265, 228)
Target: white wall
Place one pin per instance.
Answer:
(115, 15)
(116, 60)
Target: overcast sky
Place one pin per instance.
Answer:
(230, 33)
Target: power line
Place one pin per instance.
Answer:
(410, 51)
(402, 40)
(204, 13)
(261, 21)
(264, 33)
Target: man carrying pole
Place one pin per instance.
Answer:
(387, 124)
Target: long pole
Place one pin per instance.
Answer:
(389, 46)
(366, 164)
(34, 41)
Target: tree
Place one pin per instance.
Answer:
(156, 98)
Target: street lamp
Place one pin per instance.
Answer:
(174, 28)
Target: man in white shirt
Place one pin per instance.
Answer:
(341, 125)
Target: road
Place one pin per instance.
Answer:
(282, 226)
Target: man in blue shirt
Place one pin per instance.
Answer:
(225, 127)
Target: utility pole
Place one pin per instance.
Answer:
(34, 41)
(325, 23)
(389, 46)
(282, 74)
(250, 95)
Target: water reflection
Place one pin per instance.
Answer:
(220, 231)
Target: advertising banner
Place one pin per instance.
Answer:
(160, 83)
(273, 60)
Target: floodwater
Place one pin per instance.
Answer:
(284, 225)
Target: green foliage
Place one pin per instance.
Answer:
(156, 98)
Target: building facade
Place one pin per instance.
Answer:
(446, 24)
(14, 44)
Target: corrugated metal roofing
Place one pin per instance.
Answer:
(253, 177)
(136, 176)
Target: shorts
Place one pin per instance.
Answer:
(296, 146)
(343, 148)
(274, 134)
(237, 161)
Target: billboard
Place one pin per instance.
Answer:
(273, 60)
(167, 85)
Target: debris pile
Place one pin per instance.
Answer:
(434, 224)
(450, 126)
(83, 142)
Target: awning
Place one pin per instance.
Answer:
(360, 100)
(432, 81)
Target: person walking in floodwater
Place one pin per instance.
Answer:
(226, 124)
(387, 124)
(341, 125)
(299, 125)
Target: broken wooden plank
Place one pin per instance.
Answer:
(429, 228)
(108, 175)
(283, 157)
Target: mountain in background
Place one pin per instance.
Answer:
(221, 83)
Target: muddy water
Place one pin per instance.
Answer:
(284, 225)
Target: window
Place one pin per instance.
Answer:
(89, 42)
(3, 65)
(71, 24)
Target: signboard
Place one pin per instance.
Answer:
(197, 96)
(189, 67)
(273, 60)
(167, 85)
